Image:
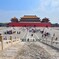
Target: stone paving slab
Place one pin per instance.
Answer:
(11, 52)
(32, 51)
(54, 53)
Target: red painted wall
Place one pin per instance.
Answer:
(16, 24)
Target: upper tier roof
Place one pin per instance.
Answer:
(29, 16)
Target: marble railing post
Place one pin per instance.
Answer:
(11, 39)
(1, 40)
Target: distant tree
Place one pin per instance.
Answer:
(56, 24)
(3, 24)
(45, 20)
(14, 19)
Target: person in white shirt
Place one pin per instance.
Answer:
(46, 31)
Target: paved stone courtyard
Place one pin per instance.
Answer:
(29, 50)
(30, 46)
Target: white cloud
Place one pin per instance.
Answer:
(55, 3)
(44, 5)
(50, 9)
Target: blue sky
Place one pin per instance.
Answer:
(18, 8)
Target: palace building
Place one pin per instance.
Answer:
(29, 21)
